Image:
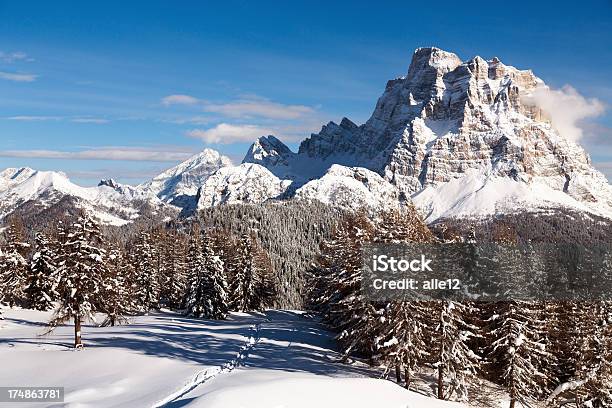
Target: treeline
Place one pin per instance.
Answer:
(553, 352)
(76, 271)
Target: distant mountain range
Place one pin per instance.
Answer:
(459, 139)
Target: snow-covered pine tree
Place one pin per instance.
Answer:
(207, 288)
(335, 283)
(591, 382)
(402, 337)
(146, 280)
(80, 276)
(454, 359)
(13, 265)
(174, 270)
(115, 300)
(243, 288)
(40, 290)
(214, 282)
(404, 328)
(518, 351)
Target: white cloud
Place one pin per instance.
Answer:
(90, 120)
(26, 118)
(18, 77)
(247, 108)
(160, 154)
(566, 108)
(225, 133)
(10, 57)
(33, 118)
(179, 100)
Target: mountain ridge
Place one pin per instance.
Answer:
(461, 139)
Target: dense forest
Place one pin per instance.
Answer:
(307, 255)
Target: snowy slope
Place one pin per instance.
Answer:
(479, 194)
(247, 183)
(116, 204)
(350, 187)
(276, 359)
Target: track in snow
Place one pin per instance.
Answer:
(210, 373)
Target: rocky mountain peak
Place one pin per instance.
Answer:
(109, 183)
(268, 151)
(186, 178)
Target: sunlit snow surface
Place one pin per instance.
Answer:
(272, 360)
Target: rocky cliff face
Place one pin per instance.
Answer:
(449, 120)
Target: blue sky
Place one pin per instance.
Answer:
(127, 89)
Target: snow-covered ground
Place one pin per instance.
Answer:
(280, 359)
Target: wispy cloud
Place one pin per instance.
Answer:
(34, 118)
(566, 109)
(179, 100)
(30, 118)
(225, 133)
(249, 108)
(10, 57)
(154, 154)
(9, 76)
(90, 120)
(246, 107)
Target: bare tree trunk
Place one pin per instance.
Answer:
(512, 402)
(398, 373)
(77, 332)
(407, 377)
(440, 382)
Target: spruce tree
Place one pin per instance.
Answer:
(115, 300)
(41, 282)
(174, 270)
(207, 287)
(146, 281)
(518, 350)
(457, 365)
(13, 266)
(243, 287)
(80, 276)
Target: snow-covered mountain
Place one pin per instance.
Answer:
(351, 187)
(246, 183)
(186, 179)
(459, 138)
(110, 202)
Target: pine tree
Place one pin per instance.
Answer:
(265, 287)
(590, 384)
(80, 276)
(336, 286)
(207, 288)
(243, 287)
(115, 301)
(518, 350)
(146, 279)
(456, 363)
(402, 337)
(174, 271)
(41, 282)
(13, 266)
